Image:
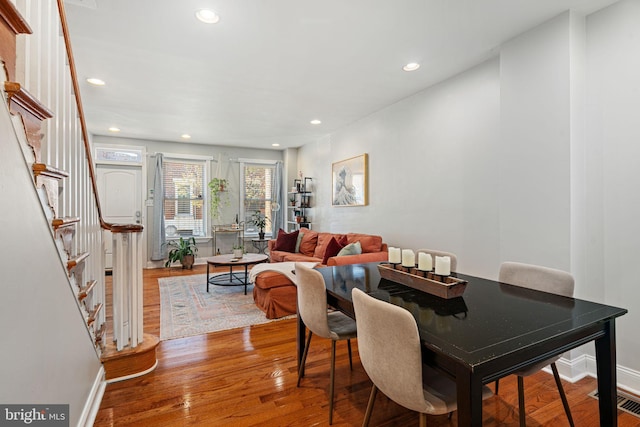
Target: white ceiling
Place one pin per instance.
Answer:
(270, 66)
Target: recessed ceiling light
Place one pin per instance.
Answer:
(411, 66)
(315, 122)
(96, 82)
(208, 16)
(275, 144)
(185, 136)
(114, 129)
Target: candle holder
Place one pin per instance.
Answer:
(435, 284)
(394, 265)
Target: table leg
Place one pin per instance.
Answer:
(469, 396)
(246, 270)
(207, 277)
(606, 370)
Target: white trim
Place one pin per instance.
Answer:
(136, 375)
(140, 150)
(182, 156)
(258, 161)
(585, 365)
(92, 405)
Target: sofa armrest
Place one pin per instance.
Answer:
(271, 244)
(358, 259)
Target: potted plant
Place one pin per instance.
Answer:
(183, 250)
(238, 251)
(259, 221)
(292, 200)
(219, 196)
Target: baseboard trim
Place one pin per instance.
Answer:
(92, 405)
(585, 365)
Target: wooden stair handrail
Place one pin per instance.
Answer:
(134, 228)
(67, 221)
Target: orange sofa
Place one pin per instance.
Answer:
(276, 295)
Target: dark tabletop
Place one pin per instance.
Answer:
(489, 319)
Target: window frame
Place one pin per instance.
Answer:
(260, 163)
(206, 172)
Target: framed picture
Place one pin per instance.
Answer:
(350, 182)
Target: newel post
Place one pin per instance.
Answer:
(127, 286)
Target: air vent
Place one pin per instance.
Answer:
(626, 402)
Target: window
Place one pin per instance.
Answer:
(257, 194)
(184, 197)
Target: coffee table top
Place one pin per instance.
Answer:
(229, 259)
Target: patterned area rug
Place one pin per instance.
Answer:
(187, 309)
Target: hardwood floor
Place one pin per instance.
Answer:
(247, 377)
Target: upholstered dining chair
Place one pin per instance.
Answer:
(434, 253)
(391, 354)
(547, 280)
(336, 326)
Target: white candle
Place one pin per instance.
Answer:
(443, 265)
(408, 258)
(425, 261)
(394, 255)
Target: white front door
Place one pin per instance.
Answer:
(120, 191)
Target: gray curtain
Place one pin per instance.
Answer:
(159, 249)
(278, 214)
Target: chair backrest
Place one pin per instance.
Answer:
(537, 277)
(389, 349)
(434, 253)
(312, 300)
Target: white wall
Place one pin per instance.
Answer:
(528, 157)
(534, 146)
(613, 131)
(433, 171)
(47, 354)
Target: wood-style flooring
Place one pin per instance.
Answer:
(247, 377)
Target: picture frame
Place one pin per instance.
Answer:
(350, 182)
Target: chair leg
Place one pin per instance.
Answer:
(497, 384)
(521, 401)
(304, 359)
(372, 400)
(331, 380)
(562, 394)
(349, 348)
(423, 419)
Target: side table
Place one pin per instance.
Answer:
(260, 244)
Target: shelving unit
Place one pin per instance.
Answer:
(302, 203)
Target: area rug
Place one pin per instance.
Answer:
(186, 309)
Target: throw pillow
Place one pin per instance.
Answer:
(298, 241)
(332, 249)
(286, 241)
(351, 249)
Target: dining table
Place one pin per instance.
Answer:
(490, 331)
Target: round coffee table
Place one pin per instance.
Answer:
(230, 261)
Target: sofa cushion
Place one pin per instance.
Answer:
(298, 241)
(323, 242)
(272, 279)
(369, 242)
(308, 242)
(333, 247)
(286, 241)
(351, 249)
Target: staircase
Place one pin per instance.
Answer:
(42, 94)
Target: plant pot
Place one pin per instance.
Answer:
(187, 261)
(238, 253)
(261, 236)
(298, 219)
